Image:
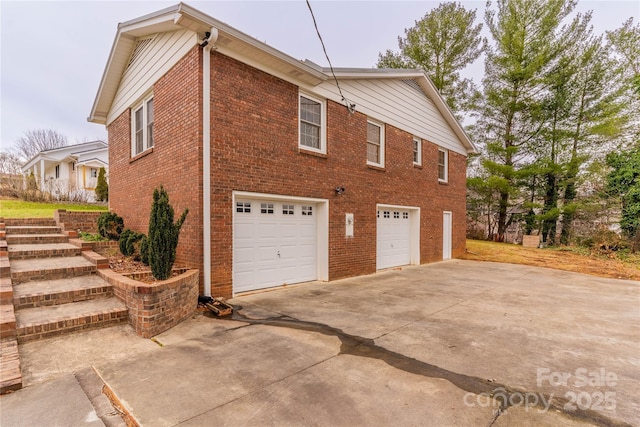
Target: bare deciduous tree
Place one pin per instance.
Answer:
(10, 163)
(37, 140)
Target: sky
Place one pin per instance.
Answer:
(53, 53)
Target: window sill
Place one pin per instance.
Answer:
(312, 153)
(376, 167)
(145, 153)
(417, 166)
(440, 181)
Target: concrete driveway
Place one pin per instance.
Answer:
(454, 343)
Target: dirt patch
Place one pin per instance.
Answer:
(610, 265)
(127, 265)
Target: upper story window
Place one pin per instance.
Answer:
(417, 151)
(312, 124)
(375, 143)
(142, 126)
(443, 165)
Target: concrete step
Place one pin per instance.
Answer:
(42, 222)
(61, 291)
(43, 322)
(10, 374)
(32, 229)
(28, 239)
(25, 270)
(44, 250)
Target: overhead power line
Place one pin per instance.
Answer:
(351, 107)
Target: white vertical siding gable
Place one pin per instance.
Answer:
(151, 58)
(400, 103)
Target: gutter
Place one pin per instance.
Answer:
(207, 45)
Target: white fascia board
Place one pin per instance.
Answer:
(375, 73)
(113, 70)
(123, 44)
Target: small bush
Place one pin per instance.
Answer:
(110, 225)
(129, 243)
(91, 237)
(102, 188)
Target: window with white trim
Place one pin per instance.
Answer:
(375, 143)
(142, 126)
(312, 132)
(94, 173)
(443, 165)
(417, 151)
(307, 210)
(57, 171)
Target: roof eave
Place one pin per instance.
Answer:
(180, 16)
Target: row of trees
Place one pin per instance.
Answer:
(556, 118)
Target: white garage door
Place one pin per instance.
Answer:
(394, 237)
(275, 243)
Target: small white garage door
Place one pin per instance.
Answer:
(393, 237)
(275, 243)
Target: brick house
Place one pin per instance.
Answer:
(285, 183)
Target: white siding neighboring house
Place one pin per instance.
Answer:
(68, 170)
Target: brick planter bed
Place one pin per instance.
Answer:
(159, 306)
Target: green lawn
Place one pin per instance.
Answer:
(22, 209)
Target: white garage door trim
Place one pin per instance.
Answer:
(413, 245)
(321, 207)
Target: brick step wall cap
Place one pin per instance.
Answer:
(42, 250)
(32, 229)
(42, 322)
(60, 291)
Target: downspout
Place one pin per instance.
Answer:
(207, 44)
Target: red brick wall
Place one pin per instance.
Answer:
(255, 148)
(175, 160)
(77, 221)
(254, 134)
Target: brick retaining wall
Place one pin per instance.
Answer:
(74, 221)
(156, 307)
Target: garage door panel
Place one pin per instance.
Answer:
(393, 238)
(276, 248)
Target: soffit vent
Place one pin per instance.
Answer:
(137, 51)
(413, 84)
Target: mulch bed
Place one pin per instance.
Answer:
(126, 265)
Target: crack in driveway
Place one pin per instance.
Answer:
(366, 347)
